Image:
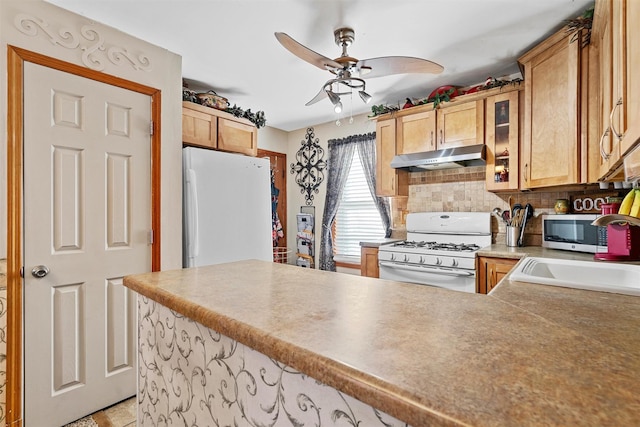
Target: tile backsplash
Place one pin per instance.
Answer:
(464, 189)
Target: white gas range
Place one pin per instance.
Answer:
(439, 251)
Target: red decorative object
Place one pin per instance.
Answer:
(443, 89)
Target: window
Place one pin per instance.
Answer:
(358, 217)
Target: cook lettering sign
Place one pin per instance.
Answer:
(591, 203)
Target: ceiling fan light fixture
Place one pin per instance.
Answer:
(366, 98)
(333, 97)
(335, 100)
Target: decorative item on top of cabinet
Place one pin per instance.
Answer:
(551, 134)
(490, 270)
(389, 181)
(502, 139)
(369, 262)
(210, 128)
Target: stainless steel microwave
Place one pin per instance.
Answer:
(573, 233)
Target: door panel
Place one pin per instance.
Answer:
(87, 214)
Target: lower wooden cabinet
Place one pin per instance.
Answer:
(369, 262)
(489, 271)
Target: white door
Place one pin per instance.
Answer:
(87, 215)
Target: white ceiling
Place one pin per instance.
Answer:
(229, 45)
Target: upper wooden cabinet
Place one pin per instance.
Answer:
(389, 181)
(210, 128)
(551, 134)
(416, 132)
(452, 124)
(631, 76)
(616, 35)
(502, 140)
(199, 128)
(461, 124)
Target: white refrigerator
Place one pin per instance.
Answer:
(226, 207)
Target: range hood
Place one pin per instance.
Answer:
(448, 158)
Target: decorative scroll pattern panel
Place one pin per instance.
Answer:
(120, 312)
(118, 203)
(88, 40)
(68, 342)
(192, 375)
(68, 199)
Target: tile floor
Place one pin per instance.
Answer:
(123, 414)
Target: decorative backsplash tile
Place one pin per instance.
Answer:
(192, 375)
(464, 189)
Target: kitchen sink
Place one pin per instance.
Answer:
(589, 275)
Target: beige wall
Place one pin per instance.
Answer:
(35, 25)
(323, 132)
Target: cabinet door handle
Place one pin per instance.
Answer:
(613, 129)
(432, 138)
(441, 137)
(604, 154)
(526, 177)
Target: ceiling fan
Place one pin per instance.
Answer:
(349, 71)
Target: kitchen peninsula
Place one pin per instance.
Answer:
(252, 341)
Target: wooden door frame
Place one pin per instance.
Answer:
(283, 201)
(16, 57)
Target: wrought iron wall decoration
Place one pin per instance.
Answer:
(309, 167)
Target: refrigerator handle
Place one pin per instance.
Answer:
(194, 246)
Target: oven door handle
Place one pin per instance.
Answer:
(436, 270)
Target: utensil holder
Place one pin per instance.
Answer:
(512, 235)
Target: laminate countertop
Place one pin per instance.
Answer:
(524, 355)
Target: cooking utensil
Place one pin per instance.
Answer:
(497, 212)
(506, 217)
(527, 213)
(515, 209)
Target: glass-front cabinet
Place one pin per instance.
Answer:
(502, 141)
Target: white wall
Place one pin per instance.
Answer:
(38, 26)
(323, 132)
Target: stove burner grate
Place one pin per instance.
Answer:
(454, 247)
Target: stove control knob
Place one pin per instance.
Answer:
(406, 258)
(421, 260)
(438, 261)
(454, 262)
(393, 257)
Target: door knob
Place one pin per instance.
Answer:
(39, 271)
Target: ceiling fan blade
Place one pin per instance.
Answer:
(306, 54)
(319, 97)
(388, 65)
